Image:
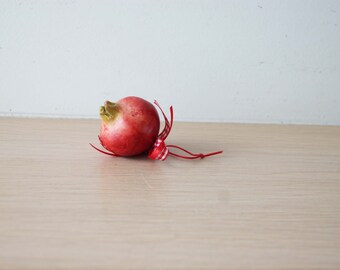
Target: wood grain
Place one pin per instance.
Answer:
(271, 201)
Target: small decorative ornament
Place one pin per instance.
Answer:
(130, 127)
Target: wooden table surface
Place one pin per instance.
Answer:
(271, 201)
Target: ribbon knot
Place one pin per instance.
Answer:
(200, 155)
(159, 150)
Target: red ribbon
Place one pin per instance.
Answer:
(161, 151)
(104, 152)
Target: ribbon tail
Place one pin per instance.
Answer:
(168, 124)
(191, 155)
(104, 152)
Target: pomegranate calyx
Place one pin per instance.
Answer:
(109, 111)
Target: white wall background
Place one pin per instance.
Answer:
(232, 61)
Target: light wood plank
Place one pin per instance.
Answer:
(271, 201)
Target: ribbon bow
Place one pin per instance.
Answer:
(161, 151)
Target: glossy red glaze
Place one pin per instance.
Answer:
(134, 128)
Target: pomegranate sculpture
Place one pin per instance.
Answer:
(130, 127)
